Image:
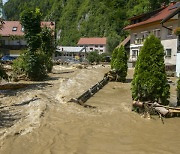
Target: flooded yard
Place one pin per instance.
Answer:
(38, 119)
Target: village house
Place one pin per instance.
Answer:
(143, 25)
(12, 40)
(175, 13)
(94, 44)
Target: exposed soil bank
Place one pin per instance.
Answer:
(49, 125)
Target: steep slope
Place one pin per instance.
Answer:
(84, 18)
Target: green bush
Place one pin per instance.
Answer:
(32, 65)
(103, 57)
(93, 57)
(178, 92)
(150, 80)
(119, 63)
(3, 74)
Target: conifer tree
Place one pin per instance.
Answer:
(114, 56)
(119, 63)
(150, 80)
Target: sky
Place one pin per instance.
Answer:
(5, 1)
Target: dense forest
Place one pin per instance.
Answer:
(85, 18)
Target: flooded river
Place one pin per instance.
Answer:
(50, 125)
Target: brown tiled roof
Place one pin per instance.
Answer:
(93, 41)
(155, 18)
(8, 26)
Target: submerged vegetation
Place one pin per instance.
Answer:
(150, 80)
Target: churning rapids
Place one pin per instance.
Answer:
(38, 119)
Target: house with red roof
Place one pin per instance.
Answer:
(12, 37)
(151, 23)
(94, 44)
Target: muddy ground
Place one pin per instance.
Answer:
(38, 119)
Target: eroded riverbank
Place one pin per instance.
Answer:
(49, 125)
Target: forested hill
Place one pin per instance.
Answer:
(85, 18)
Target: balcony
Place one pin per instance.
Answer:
(13, 47)
(139, 41)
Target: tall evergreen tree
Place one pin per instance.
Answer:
(119, 63)
(150, 80)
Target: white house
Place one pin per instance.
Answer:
(175, 13)
(94, 43)
(150, 23)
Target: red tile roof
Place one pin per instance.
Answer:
(7, 28)
(155, 18)
(93, 41)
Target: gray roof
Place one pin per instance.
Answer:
(70, 49)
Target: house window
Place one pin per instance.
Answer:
(168, 53)
(96, 46)
(14, 29)
(144, 34)
(169, 31)
(134, 53)
(157, 33)
(101, 50)
(135, 36)
(101, 46)
(91, 49)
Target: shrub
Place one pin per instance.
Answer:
(177, 31)
(93, 57)
(178, 92)
(119, 63)
(32, 65)
(3, 74)
(104, 57)
(150, 80)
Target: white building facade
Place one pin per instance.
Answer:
(94, 44)
(143, 25)
(168, 40)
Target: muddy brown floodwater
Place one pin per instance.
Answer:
(50, 125)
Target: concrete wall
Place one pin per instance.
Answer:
(170, 44)
(178, 65)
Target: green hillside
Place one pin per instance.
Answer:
(85, 18)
